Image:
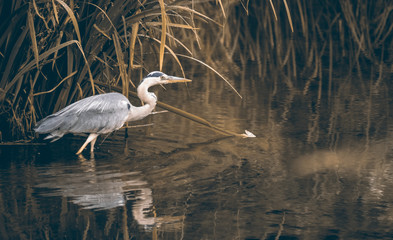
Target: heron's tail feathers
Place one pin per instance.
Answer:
(52, 125)
(48, 124)
(54, 136)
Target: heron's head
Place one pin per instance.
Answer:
(156, 78)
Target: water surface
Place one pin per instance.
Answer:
(318, 169)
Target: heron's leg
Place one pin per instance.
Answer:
(92, 143)
(91, 137)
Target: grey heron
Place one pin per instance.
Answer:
(104, 113)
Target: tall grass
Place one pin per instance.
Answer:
(300, 39)
(336, 49)
(54, 50)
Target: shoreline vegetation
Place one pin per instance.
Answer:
(56, 50)
(52, 52)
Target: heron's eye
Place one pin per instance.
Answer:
(128, 106)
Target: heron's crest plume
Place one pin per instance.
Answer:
(155, 74)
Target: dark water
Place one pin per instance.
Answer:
(318, 169)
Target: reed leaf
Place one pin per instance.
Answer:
(289, 14)
(121, 63)
(177, 25)
(55, 12)
(33, 37)
(107, 17)
(274, 11)
(215, 71)
(164, 20)
(73, 19)
(203, 16)
(102, 32)
(53, 89)
(134, 35)
(222, 8)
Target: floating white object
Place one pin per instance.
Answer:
(158, 112)
(248, 134)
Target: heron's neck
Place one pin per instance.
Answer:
(145, 96)
(138, 113)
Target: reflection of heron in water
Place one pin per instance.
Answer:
(103, 113)
(103, 188)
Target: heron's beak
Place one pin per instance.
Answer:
(173, 79)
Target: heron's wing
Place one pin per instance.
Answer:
(99, 103)
(100, 113)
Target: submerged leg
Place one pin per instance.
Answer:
(91, 138)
